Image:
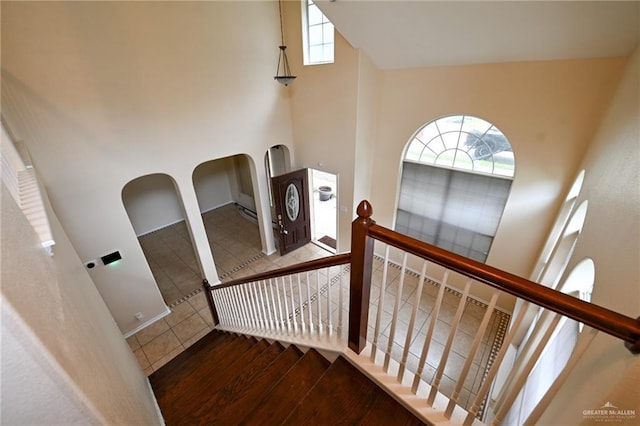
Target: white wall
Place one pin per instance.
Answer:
(105, 92)
(211, 181)
(611, 237)
(152, 203)
(64, 360)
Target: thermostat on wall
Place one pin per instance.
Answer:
(111, 257)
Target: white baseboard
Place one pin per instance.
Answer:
(148, 322)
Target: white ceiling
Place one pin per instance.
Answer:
(405, 34)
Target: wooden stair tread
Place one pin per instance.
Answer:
(342, 395)
(234, 401)
(189, 399)
(208, 345)
(207, 363)
(230, 379)
(387, 411)
(277, 404)
(216, 401)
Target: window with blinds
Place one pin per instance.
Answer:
(21, 180)
(456, 178)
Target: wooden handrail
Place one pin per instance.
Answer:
(212, 305)
(603, 319)
(365, 232)
(324, 262)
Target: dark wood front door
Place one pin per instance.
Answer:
(291, 195)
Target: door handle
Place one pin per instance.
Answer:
(282, 230)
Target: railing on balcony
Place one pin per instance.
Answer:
(413, 314)
(303, 301)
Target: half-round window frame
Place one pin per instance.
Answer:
(463, 142)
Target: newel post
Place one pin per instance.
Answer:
(212, 306)
(361, 266)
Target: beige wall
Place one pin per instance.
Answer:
(356, 120)
(324, 102)
(105, 92)
(611, 237)
(369, 81)
(64, 360)
(548, 110)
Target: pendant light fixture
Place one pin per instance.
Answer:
(285, 77)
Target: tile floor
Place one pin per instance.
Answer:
(471, 317)
(234, 241)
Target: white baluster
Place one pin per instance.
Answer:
(218, 304)
(329, 305)
(225, 301)
(286, 304)
(319, 310)
(453, 400)
(383, 285)
(432, 325)
(526, 350)
(273, 304)
(340, 305)
(301, 307)
(447, 347)
(493, 371)
(255, 304)
(504, 405)
(242, 307)
(580, 349)
(412, 322)
(266, 305)
(234, 307)
(396, 309)
(293, 306)
(309, 304)
(247, 304)
(280, 313)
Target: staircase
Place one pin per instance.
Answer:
(231, 379)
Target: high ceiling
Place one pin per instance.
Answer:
(405, 34)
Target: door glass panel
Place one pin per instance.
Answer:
(292, 201)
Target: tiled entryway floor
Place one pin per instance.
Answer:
(235, 244)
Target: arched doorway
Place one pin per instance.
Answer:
(227, 203)
(157, 216)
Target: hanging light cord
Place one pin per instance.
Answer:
(286, 78)
(281, 26)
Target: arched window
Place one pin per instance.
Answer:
(456, 177)
(558, 229)
(558, 350)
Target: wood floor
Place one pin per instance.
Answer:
(228, 379)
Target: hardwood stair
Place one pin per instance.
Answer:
(230, 379)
